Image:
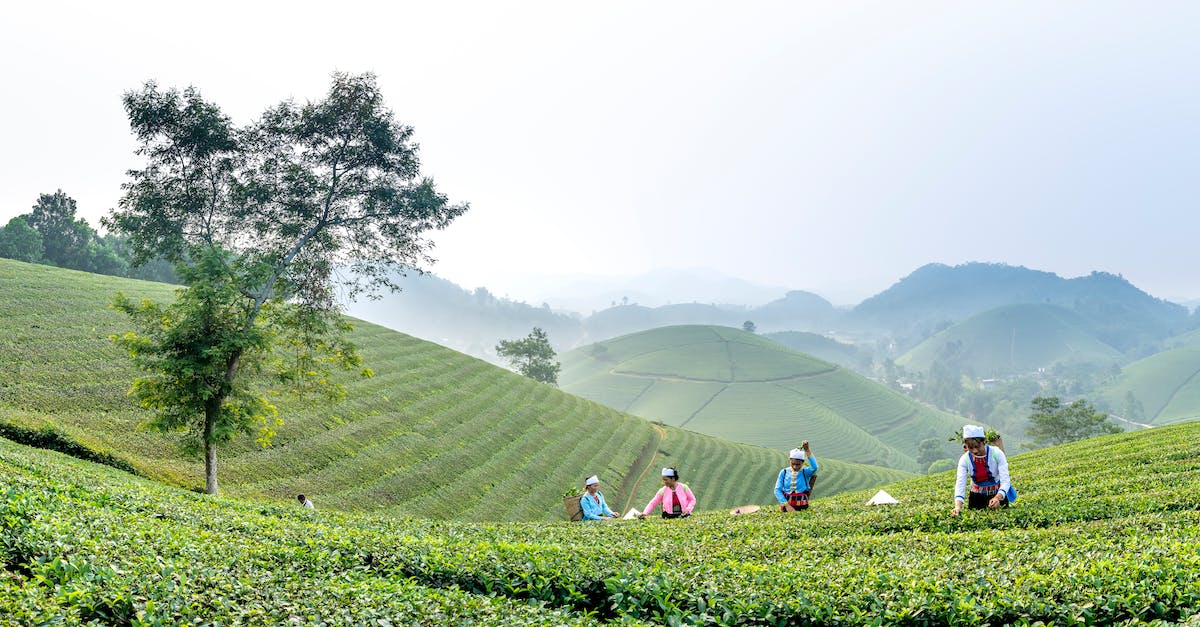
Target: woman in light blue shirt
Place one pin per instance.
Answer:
(592, 502)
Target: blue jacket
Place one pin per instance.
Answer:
(802, 479)
(593, 510)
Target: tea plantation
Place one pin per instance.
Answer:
(434, 433)
(738, 386)
(1106, 531)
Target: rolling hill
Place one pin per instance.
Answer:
(86, 544)
(739, 386)
(434, 433)
(1013, 339)
(1165, 387)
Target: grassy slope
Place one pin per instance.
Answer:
(1167, 384)
(82, 542)
(738, 386)
(1014, 339)
(435, 433)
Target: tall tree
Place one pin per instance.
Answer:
(256, 220)
(532, 356)
(1052, 423)
(20, 241)
(65, 238)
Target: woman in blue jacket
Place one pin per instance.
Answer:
(592, 502)
(794, 484)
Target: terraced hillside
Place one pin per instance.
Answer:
(86, 544)
(1166, 385)
(738, 386)
(435, 433)
(1013, 339)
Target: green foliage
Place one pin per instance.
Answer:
(1052, 423)
(532, 356)
(749, 326)
(84, 543)
(255, 220)
(20, 241)
(48, 437)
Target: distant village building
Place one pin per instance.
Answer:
(989, 384)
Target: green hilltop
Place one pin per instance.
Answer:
(1165, 387)
(736, 385)
(1013, 339)
(434, 433)
(1106, 531)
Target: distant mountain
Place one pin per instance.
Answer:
(827, 348)
(1013, 339)
(1118, 313)
(469, 321)
(797, 311)
(665, 286)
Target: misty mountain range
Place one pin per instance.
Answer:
(929, 299)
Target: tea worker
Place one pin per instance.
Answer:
(676, 498)
(592, 501)
(793, 486)
(304, 502)
(986, 467)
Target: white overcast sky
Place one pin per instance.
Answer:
(829, 146)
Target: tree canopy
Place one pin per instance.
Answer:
(1052, 423)
(532, 356)
(264, 223)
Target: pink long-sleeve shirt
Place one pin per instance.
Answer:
(667, 497)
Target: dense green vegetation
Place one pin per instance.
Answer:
(434, 433)
(739, 386)
(1106, 531)
(1013, 339)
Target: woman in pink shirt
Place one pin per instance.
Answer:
(676, 498)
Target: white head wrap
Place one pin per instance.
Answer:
(797, 454)
(972, 431)
(669, 472)
(592, 479)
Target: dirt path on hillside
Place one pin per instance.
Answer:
(649, 463)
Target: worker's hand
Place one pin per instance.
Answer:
(642, 516)
(787, 507)
(995, 502)
(804, 445)
(957, 509)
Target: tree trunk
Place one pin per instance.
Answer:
(210, 448)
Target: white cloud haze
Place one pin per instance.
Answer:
(825, 146)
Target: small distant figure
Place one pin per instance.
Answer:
(794, 484)
(304, 502)
(987, 468)
(592, 501)
(676, 498)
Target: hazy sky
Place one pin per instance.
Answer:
(830, 146)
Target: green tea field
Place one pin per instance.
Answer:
(434, 433)
(1106, 531)
(739, 386)
(1166, 385)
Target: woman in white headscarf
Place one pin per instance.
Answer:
(987, 468)
(592, 502)
(676, 498)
